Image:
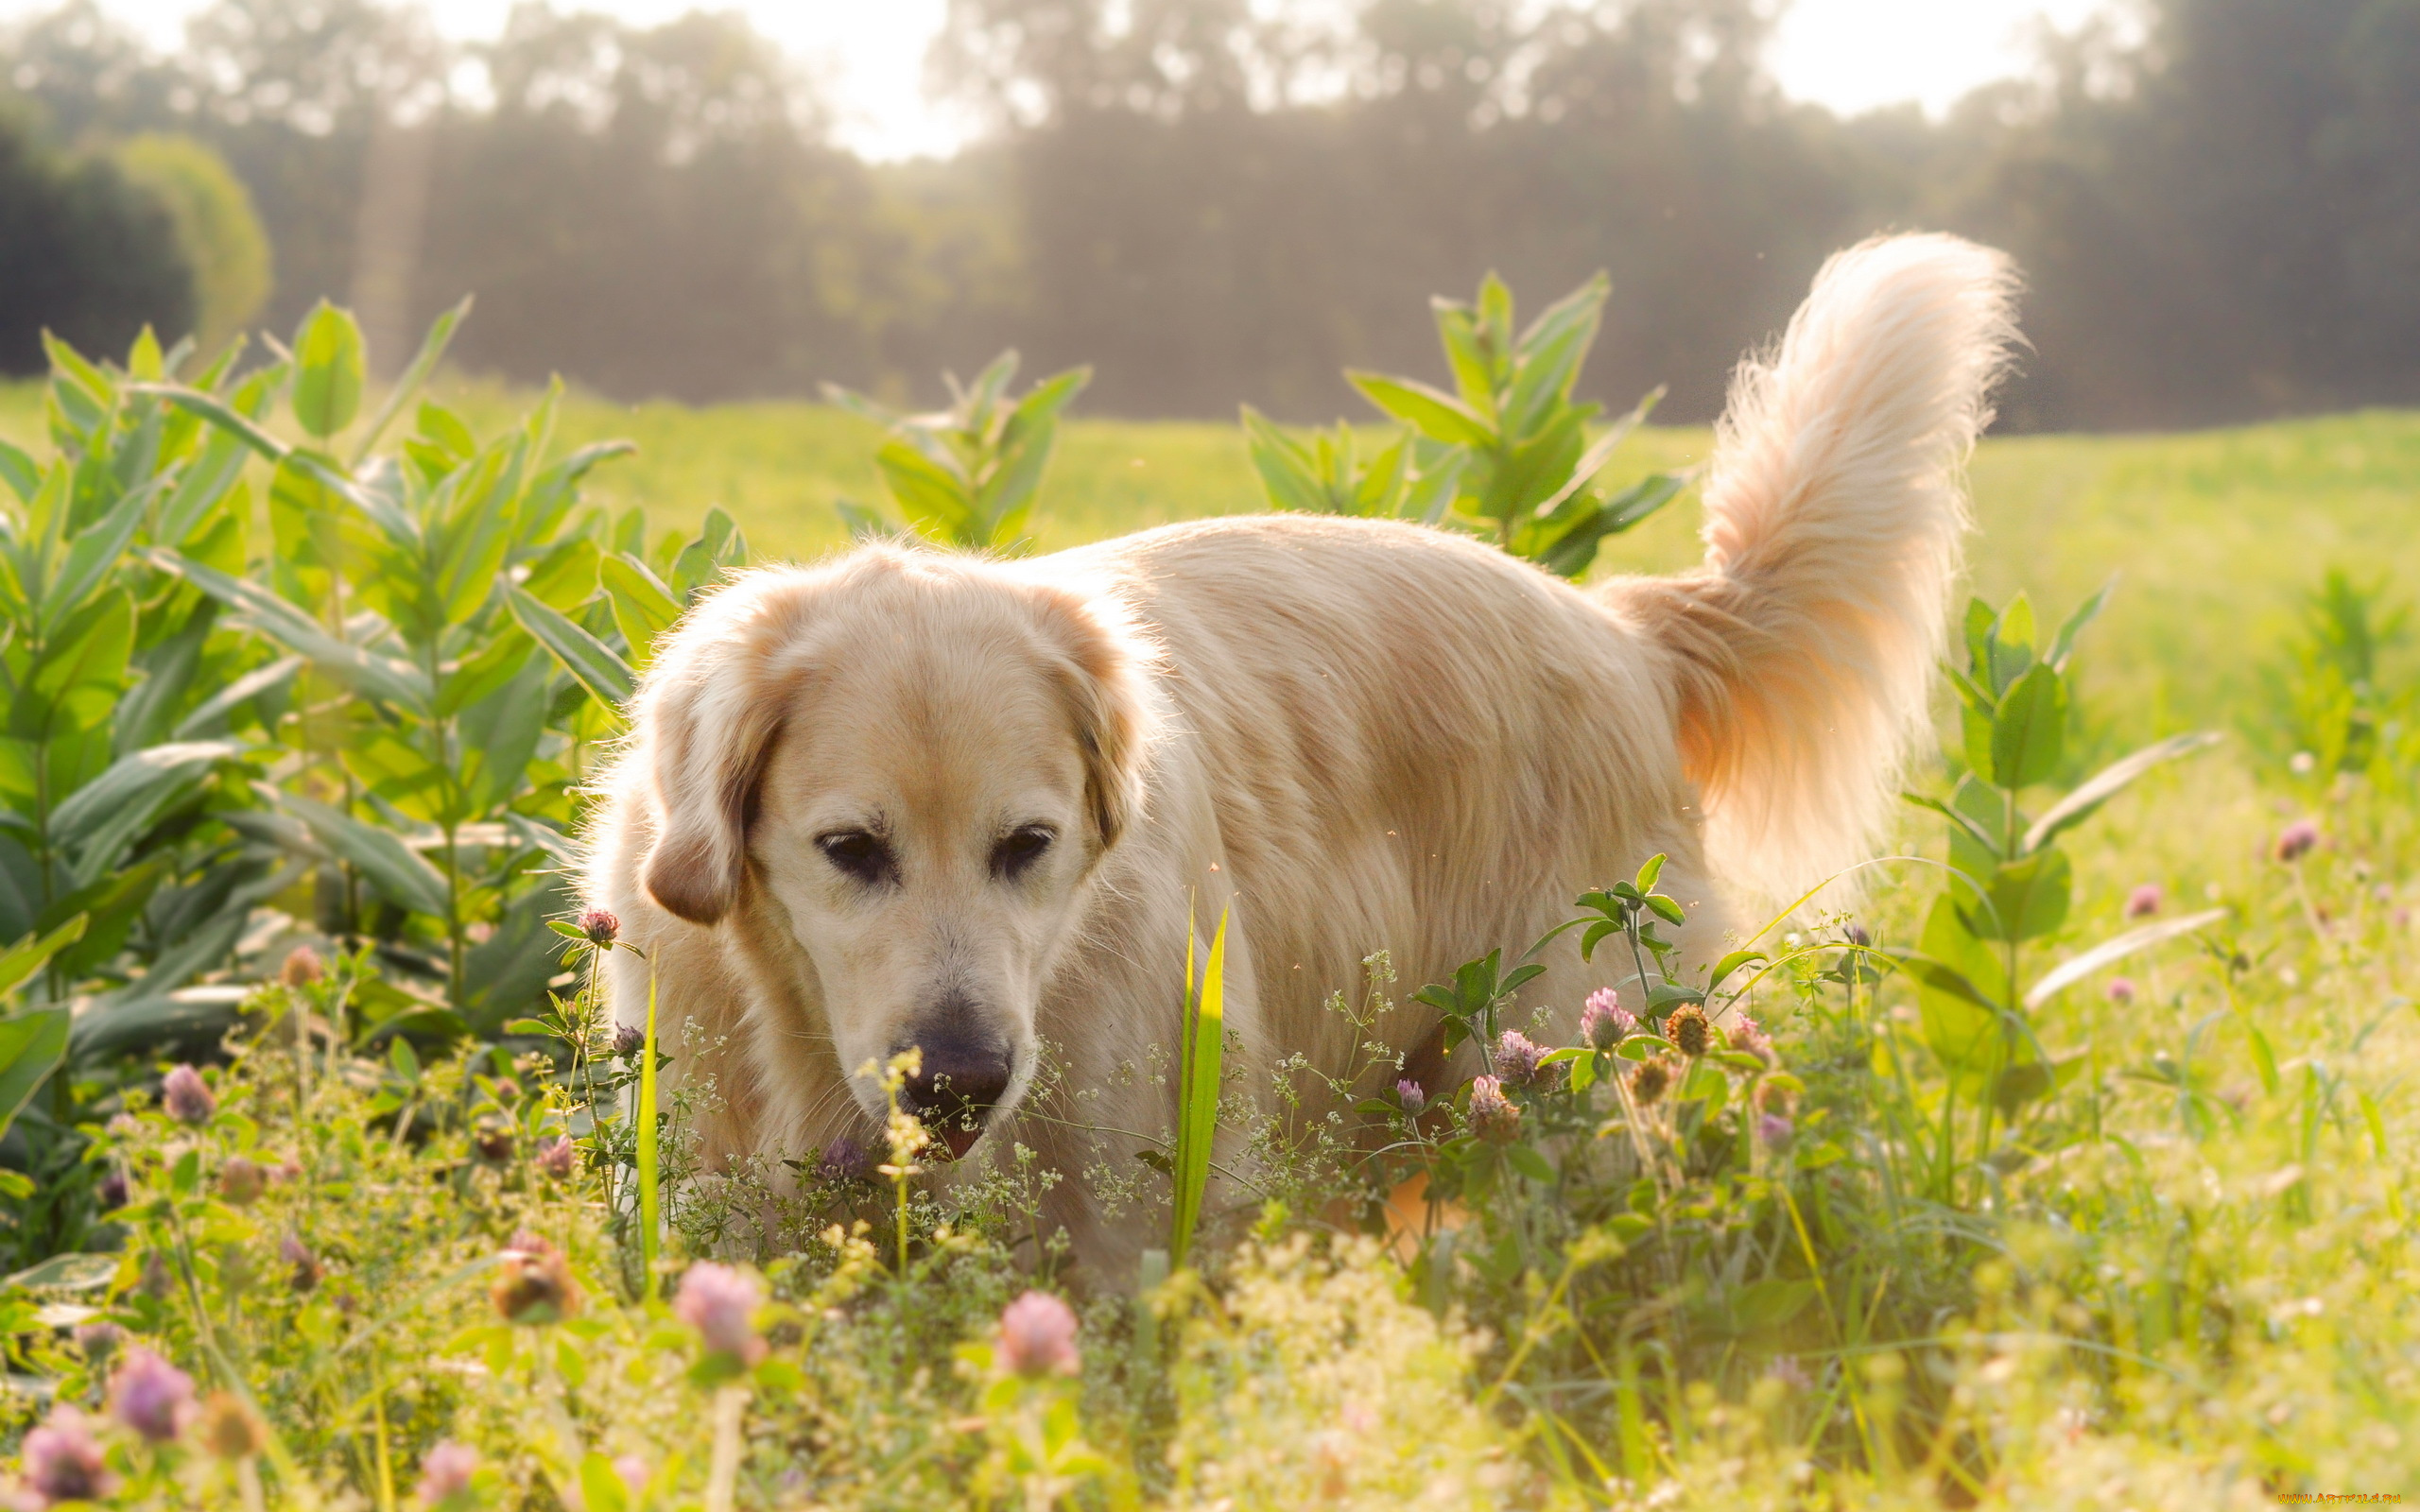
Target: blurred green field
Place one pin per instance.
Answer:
(2213, 535)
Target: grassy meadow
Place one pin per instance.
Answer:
(1838, 1268)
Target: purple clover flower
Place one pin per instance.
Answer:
(2145, 901)
(1492, 1116)
(64, 1461)
(1519, 1060)
(1603, 1021)
(186, 1096)
(2296, 840)
(718, 1301)
(150, 1396)
(1411, 1095)
(1037, 1337)
(446, 1472)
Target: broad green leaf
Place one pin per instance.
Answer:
(590, 660)
(378, 854)
(2063, 645)
(1438, 417)
(31, 1046)
(2029, 732)
(643, 606)
(358, 668)
(933, 498)
(1474, 375)
(18, 470)
(93, 554)
(328, 370)
(2106, 783)
(1286, 471)
(2110, 951)
(29, 954)
(100, 820)
(1729, 963)
(220, 413)
(600, 1484)
(2029, 898)
(201, 487)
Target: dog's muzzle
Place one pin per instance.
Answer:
(966, 1073)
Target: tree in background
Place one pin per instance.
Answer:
(217, 230)
(83, 251)
(1215, 200)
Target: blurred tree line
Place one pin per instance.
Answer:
(1213, 201)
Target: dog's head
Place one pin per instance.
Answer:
(912, 763)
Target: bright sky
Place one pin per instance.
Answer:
(1851, 55)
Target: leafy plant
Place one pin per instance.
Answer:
(966, 477)
(1410, 477)
(2331, 714)
(2011, 883)
(1528, 480)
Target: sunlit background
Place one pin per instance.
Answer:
(2216, 202)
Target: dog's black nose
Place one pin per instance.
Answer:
(963, 1076)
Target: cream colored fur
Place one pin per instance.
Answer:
(1356, 735)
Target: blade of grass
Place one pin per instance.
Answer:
(1198, 1081)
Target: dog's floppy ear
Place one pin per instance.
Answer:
(711, 711)
(1103, 668)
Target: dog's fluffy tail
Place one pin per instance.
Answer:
(1802, 652)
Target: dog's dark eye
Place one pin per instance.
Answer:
(1013, 856)
(861, 855)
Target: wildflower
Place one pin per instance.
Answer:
(1774, 1130)
(1772, 1097)
(843, 1160)
(1037, 1337)
(718, 1301)
(150, 1396)
(556, 1157)
(1790, 1373)
(240, 1181)
(446, 1472)
(155, 1281)
(302, 968)
(112, 1191)
(2145, 901)
(494, 1142)
(600, 927)
(230, 1429)
(1855, 935)
(1518, 1058)
(1411, 1095)
(1649, 1082)
(533, 1283)
(633, 1470)
(186, 1096)
(628, 1040)
(1603, 1021)
(2121, 990)
(1688, 1030)
(1748, 1037)
(307, 1273)
(1492, 1116)
(64, 1462)
(98, 1340)
(508, 1091)
(2296, 839)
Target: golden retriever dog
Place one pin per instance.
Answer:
(909, 796)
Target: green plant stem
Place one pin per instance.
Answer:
(650, 1207)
